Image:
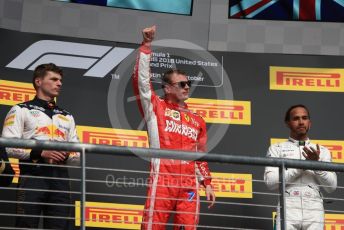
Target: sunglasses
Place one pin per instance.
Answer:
(182, 84)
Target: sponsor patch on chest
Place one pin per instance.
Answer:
(62, 117)
(35, 113)
(182, 129)
(191, 119)
(287, 152)
(174, 114)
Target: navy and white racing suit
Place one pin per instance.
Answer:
(41, 120)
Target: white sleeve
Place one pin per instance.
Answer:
(74, 157)
(271, 174)
(143, 89)
(14, 128)
(328, 179)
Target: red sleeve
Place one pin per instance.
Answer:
(204, 172)
(202, 137)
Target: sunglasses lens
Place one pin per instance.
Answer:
(182, 84)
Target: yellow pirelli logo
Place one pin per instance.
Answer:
(108, 215)
(13, 92)
(221, 111)
(335, 147)
(332, 221)
(306, 79)
(231, 185)
(109, 136)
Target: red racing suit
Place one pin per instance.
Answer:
(173, 184)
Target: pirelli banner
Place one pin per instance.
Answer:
(110, 215)
(241, 96)
(306, 79)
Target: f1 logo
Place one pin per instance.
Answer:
(99, 60)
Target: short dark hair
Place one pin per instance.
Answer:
(41, 70)
(287, 114)
(166, 77)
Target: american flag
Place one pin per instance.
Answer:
(304, 10)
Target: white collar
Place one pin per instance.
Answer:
(298, 142)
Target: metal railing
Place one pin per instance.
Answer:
(282, 164)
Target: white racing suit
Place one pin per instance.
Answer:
(304, 203)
